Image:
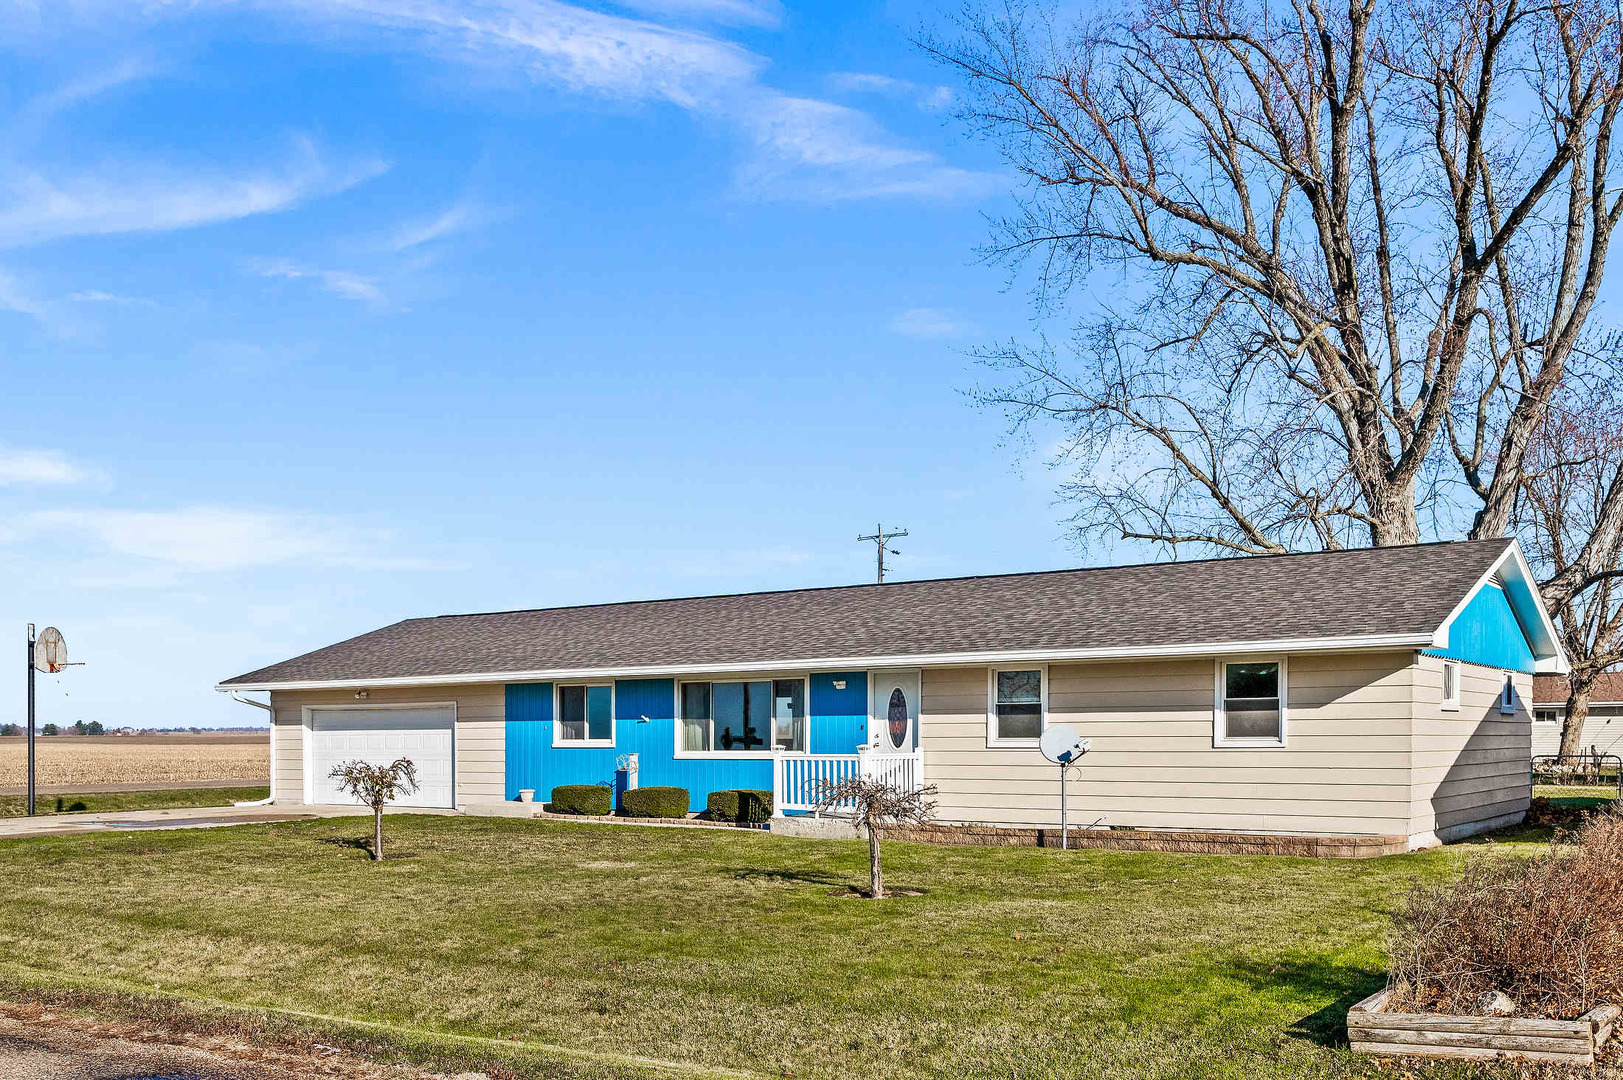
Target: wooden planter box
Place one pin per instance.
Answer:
(1372, 1031)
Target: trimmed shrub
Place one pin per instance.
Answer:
(581, 799)
(741, 806)
(669, 802)
(1546, 930)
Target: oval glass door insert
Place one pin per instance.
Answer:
(896, 718)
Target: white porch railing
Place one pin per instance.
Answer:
(799, 780)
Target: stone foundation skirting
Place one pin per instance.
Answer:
(1202, 843)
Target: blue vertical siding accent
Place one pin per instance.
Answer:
(839, 718)
(529, 736)
(1488, 632)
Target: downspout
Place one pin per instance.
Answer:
(267, 800)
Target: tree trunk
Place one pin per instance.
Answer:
(377, 834)
(1572, 730)
(876, 872)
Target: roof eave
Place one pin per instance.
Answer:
(1362, 642)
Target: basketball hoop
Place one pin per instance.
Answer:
(50, 651)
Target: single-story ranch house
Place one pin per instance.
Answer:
(1603, 728)
(1381, 694)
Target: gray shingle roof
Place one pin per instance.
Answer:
(1553, 690)
(1389, 591)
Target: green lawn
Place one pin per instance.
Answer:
(90, 802)
(731, 949)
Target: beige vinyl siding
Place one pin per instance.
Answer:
(481, 734)
(1345, 768)
(287, 768)
(1470, 766)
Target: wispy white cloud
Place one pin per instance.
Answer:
(800, 147)
(809, 148)
(344, 283)
(928, 98)
(930, 324)
(40, 467)
(139, 197)
(732, 12)
(459, 217)
(96, 296)
(14, 297)
(213, 539)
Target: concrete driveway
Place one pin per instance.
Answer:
(191, 817)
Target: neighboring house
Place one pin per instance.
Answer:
(1372, 693)
(1603, 729)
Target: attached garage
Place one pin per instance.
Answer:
(378, 735)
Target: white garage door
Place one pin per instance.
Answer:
(378, 736)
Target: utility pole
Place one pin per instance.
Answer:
(30, 719)
(881, 541)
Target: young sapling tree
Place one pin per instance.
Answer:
(874, 804)
(376, 786)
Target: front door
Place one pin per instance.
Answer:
(893, 714)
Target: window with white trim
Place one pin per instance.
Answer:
(585, 715)
(1507, 695)
(1018, 701)
(1250, 703)
(740, 717)
(1451, 686)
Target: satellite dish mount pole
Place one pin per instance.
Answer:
(1064, 821)
(30, 719)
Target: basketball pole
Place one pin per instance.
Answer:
(30, 719)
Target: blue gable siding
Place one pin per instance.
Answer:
(838, 721)
(1488, 632)
(838, 718)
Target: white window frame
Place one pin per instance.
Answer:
(992, 739)
(561, 743)
(1220, 736)
(1451, 703)
(737, 755)
(1507, 695)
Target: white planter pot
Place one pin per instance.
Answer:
(526, 794)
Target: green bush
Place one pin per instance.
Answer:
(671, 802)
(581, 799)
(742, 806)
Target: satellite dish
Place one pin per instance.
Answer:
(50, 651)
(1062, 745)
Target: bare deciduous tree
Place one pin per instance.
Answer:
(376, 786)
(874, 804)
(1572, 482)
(1365, 244)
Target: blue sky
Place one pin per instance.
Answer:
(325, 313)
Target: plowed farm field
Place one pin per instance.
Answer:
(84, 761)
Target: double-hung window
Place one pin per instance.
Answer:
(741, 717)
(1018, 697)
(585, 716)
(1250, 703)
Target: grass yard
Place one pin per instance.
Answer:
(95, 802)
(732, 949)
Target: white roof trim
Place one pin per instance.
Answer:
(838, 663)
(1512, 565)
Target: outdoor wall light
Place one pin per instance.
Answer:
(360, 695)
(839, 684)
